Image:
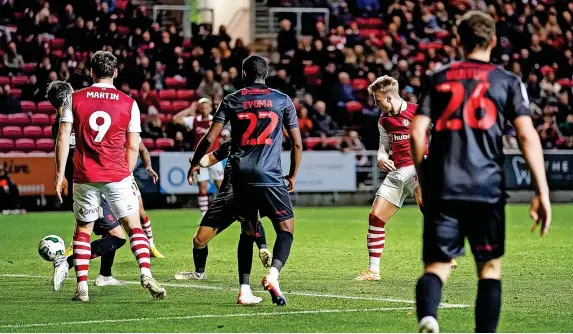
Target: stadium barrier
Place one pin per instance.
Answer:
(325, 178)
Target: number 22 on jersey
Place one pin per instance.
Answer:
(263, 138)
(475, 101)
(100, 128)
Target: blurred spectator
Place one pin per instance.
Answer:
(223, 36)
(286, 39)
(9, 194)
(324, 145)
(124, 88)
(31, 91)
(80, 78)
(210, 88)
(549, 85)
(152, 127)
(146, 98)
(9, 104)
(304, 123)
(64, 74)
(195, 76)
(181, 145)
(351, 143)
(227, 84)
(143, 72)
(547, 128)
(323, 123)
(13, 61)
(281, 82)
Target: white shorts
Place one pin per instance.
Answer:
(135, 187)
(215, 173)
(119, 195)
(398, 185)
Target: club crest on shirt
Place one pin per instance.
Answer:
(406, 122)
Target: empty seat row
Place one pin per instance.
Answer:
(30, 131)
(158, 144)
(23, 119)
(26, 145)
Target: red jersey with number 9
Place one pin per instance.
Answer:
(102, 116)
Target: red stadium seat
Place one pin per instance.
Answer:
(134, 92)
(41, 119)
(45, 144)
(33, 131)
(187, 44)
(19, 81)
(171, 82)
(58, 53)
(47, 131)
(28, 106)
(312, 75)
(362, 22)
(311, 70)
(3, 119)
(16, 92)
(157, 151)
(4, 81)
(123, 30)
(25, 144)
(166, 107)
(13, 132)
(167, 94)
(19, 119)
(29, 68)
(180, 105)
(149, 143)
(354, 106)
(46, 107)
(375, 22)
(311, 142)
(185, 94)
(164, 143)
(52, 118)
(6, 144)
(58, 43)
(359, 84)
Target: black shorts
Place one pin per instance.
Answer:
(448, 223)
(221, 213)
(107, 222)
(272, 202)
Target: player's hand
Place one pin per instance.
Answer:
(386, 165)
(291, 183)
(59, 188)
(153, 174)
(191, 173)
(540, 212)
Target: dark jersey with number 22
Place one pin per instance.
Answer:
(257, 115)
(469, 102)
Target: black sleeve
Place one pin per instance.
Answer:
(517, 100)
(290, 120)
(425, 102)
(221, 115)
(223, 151)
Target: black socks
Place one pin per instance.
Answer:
(281, 250)
(245, 257)
(428, 295)
(488, 305)
(200, 258)
(261, 238)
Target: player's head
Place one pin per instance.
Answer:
(103, 66)
(385, 92)
(255, 69)
(476, 32)
(59, 94)
(204, 107)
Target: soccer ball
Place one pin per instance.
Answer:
(50, 247)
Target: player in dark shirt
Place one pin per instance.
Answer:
(257, 115)
(220, 215)
(469, 103)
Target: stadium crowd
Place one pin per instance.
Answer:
(325, 72)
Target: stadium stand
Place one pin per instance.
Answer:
(331, 66)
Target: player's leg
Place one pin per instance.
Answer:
(485, 230)
(245, 261)
(124, 204)
(389, 199)
(219, 216)
(203, 184)
(276, 204)
(442, 241)
(146, 225)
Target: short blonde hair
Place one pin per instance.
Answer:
(384, 84)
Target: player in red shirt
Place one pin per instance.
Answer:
(198, 125)
(106, 124)
(401, 181)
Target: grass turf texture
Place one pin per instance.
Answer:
(328, 252)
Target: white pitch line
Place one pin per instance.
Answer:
(204, 316)
(294, 293)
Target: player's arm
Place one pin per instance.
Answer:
(291, 124)
(418, 132)
(62, 151)
(384, 161)
(220, 154)
(133, 139)
(146, 160)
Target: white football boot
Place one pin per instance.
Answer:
(107, 281)
(190, 276)
(61, 269)
(156, 290)
(429, 324)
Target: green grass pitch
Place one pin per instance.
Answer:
(329, 251)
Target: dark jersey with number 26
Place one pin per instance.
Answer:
(257, 115)
(469, 102)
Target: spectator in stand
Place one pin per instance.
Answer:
(80, 78)
(323, 123)
(222, 36)
(124, 88)
(152, 127)
(548, 131)
(286, 39)
(351, 143)
(195, 76)
(210, 88)
(43, 71)
(180, 144)
(369, 7)
(549, 85)
(227, 84)
(324, 144)
(31, 91)
(564, 116)
(165, 49)
(159, 76)
(64, 74)
(281, 82)
(13, 61)
(143, 72)
(304, 123)
(9, 104)
(147, 98)
(9, 194)
(240, 52)
(69, 17)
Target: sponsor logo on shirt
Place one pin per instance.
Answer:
(394, 138)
